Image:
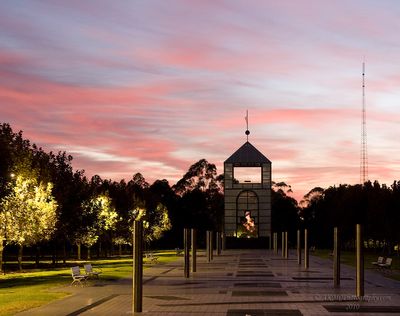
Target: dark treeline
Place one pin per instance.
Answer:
(97, 213)
(375, 206)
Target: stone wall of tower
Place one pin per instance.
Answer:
(262, 190)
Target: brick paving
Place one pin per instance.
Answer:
(236, 283)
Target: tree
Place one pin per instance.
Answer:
(285, 211)
(70, 189)
(98, 215)
(139, 181)
(29, 213)
(201, 198)
(201, 176)
(155, 223)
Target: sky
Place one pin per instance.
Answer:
(154, 86)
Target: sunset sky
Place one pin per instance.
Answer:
(154, 86)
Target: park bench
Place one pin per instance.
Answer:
(151, 257)
(178, 251)
(387, 266)
(378, 262)
(90, 272)
(77, 277)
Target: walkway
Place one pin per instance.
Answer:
(236, 283)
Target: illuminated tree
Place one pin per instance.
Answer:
(156, 223)
(3, 235)
(98, 215)
(29, 213)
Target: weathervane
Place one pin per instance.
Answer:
(247, 132)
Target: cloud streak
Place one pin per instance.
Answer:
(154, 86)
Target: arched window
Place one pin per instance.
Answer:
(247, 215)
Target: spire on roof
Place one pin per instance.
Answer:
(247, 132)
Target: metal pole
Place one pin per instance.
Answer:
(218, 242)
(283, 244)
(336, 257)
(186, 246)
(273, 241)
(270, 242)
(223, 242)
(211, 245)
(286, 246)
(208, 246)
(194, 249)
(360, 261)
(306, 249)
(299, 247)
(137, 267)
(276, 243)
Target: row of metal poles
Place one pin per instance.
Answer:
(336, 254)
(189, 243)
(285, 249)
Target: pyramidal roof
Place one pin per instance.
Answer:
(247, 154)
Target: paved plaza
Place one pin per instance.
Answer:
(236, 283)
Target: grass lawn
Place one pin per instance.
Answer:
(349, 258)
(32, 288)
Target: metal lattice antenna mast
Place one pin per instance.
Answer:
(364, 152)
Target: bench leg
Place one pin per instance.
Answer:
(74, 282)
(81, 282)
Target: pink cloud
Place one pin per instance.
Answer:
(159, 87)
(307, 118)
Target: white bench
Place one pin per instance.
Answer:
(387, 266)
(379, 261)
(77, 277)
(178, 251)
(151, 257)
(92, 273)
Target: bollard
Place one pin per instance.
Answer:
(218, 242)
(208, 255)
(223, 242)
(306, 249)
(286, 246)
(186, 247)
(299, 247)
(336, 257)
(137, 280)
(276, 243)
(270, 242)
(194, 249)
(273, 242)
(360, 261)
(211, 245)
(283, 244)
